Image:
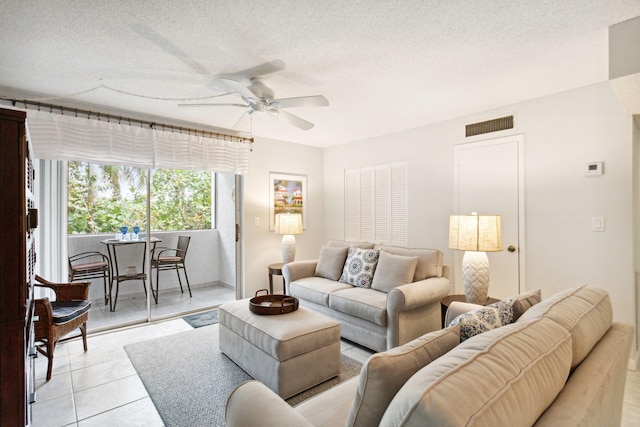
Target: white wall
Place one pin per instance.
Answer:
(261, 246)
(562, 132)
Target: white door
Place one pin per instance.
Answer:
(489, 180)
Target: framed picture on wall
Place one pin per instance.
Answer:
(288, 194)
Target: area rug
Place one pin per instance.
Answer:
(205, 318)
(189, 379)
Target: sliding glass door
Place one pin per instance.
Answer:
(107, 213)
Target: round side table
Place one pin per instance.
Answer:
(277, 270)
(446, 301)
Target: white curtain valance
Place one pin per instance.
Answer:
(57, 136)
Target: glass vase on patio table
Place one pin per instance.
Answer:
(124, 230)
(136, 231)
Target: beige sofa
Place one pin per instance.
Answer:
(402, 302)
(562, 363)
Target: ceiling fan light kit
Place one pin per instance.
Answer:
(258, 97)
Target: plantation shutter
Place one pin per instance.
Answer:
(352, 205)
(383, 203)
(376, 204)
(367, 205)
(399, 204)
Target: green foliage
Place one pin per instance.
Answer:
(102, 198)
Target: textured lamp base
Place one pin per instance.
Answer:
(288, 248)
(475, 276)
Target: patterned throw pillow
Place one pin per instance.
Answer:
(505, 308)
(477, 321)
(359, 268)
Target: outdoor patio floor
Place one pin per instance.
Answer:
(132, 309)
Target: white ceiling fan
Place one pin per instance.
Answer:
(260, 98)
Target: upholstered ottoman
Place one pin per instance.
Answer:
(289, 353)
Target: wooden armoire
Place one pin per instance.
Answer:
(18, 218)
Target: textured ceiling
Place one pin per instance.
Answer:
(385, 66)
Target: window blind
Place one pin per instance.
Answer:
(67, 137)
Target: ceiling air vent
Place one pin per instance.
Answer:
(503, 123)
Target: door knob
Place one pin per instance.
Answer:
(511, 248)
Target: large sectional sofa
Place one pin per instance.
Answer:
(563, 362)
(383, 296)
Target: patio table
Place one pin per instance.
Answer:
(112, 245)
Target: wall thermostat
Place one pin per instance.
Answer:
(593, 168)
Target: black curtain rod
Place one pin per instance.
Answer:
(120, 119)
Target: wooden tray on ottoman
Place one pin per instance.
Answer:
(272, 304)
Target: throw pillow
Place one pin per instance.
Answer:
(477, 321)
(383, 374)
(507, 376)
(393, 270)
(505, 310)
(524, 301)
(359, 268)
(331, 262)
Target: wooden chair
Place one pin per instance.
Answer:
(58, 318)
(90, 265)
(163, 258)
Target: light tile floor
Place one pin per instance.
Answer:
(101, 387)
(133, 308)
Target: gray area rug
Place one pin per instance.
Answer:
(205, 318)
(189, 379)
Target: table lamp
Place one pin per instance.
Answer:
(288, 224)
(475, 234)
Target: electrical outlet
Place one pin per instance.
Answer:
(256, 221)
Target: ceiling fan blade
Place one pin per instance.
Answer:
(213, 105)
(170, 48)
(258, 70)
(239, 88)
(295, 120)
(302, 101)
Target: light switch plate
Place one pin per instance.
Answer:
(597, 223)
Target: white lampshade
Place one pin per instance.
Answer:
(480, 233)
(288, 224)
(475, 234)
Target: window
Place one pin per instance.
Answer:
(102, 198)
(376, 204)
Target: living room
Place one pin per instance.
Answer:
(562, 132)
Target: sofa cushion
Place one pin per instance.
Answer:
(359, 267)
(429, 260)
(393, 270)
(364, 303)
(315, 289)
(509, 375)
(584, 311)
(345, 244)
(477, 321)
(525, 301)
(383, 374)
(331, 262)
